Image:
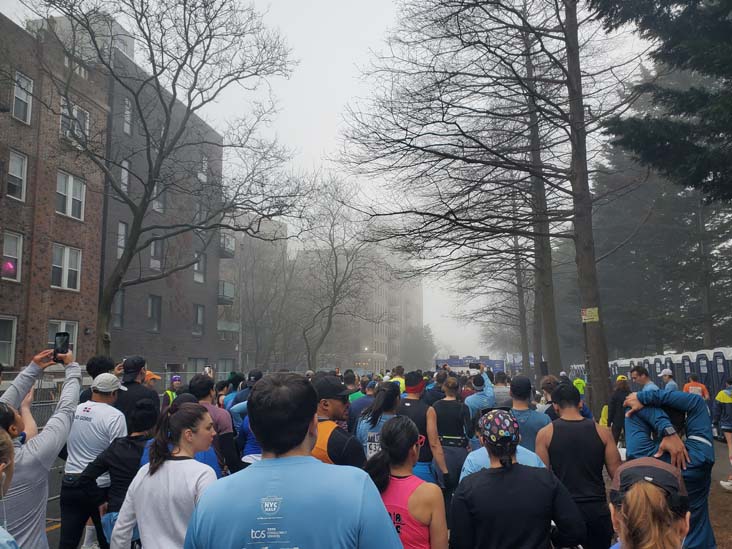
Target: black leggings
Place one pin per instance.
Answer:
(77, 506)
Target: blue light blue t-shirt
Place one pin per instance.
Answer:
(650, 386)
(478, 459)
(671, 385)
(530, 423)
(479, 401)
(368, 435)
(292, 502)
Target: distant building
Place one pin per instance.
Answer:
(51, 198)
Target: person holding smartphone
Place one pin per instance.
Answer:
(25, 502)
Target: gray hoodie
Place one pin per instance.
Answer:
(25, 502)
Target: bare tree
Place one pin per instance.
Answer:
(180, 181)
(336, 269)
(478, 105)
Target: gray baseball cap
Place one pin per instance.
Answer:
(107, 383)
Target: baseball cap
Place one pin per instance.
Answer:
(658, 473)
(621, 377)
(563, 374)
(151, 375)
(107, 383)
(499, 429)
(666, 372)
(131, 367)
(173, 379)
(254, 376)
(413, 382)
(521, 387)
(309, 373)
(371, 385)
(330, 387)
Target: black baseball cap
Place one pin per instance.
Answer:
(521, 387)
(254, 376)
(658, 473)
(131, 368)
(330, 387)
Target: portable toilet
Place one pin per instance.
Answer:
(705, 364)
(689, 365)
(613, 370)
(623, 367)
(722, 367)
(658, 365)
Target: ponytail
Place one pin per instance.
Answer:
(386, 399)
(397, 437)
(177, 418)
(646, 520)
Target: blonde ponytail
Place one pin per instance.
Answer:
(647, 521)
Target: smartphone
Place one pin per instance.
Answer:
(60, 345)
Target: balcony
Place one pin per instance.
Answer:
(226, 293)
(227, 246)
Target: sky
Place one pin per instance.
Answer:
(330, 40)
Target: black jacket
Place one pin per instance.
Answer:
(122, 461)
(135, 391)
(615, 410)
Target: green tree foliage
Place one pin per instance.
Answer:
(687, 136)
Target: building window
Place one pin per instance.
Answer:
(225, 365)
(203, 172)
(158, 199)
(22, 98)
(76, 66)
(118, 310)
(8, 326)
(70, 195)
(17, 169)
(154, 312)
(66, 267)
(121, 238)
(12, 256)
(199, 268)
(124, 176)
(197, 364)
(74, 122)
(127, 126)
(69, 326)
(199, 318)
(156, 254)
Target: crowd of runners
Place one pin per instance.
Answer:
(417, 460)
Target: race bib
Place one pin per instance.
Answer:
(695, 390)
(373, 444)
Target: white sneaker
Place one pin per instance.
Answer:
(726, 484)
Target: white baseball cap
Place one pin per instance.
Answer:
(666, 372)
(107, 383)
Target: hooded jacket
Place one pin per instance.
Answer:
(723, 408)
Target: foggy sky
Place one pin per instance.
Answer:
(330, 39)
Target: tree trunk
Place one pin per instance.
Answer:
(706, 285)
(523, 328)
(537, 329)
(544, 279)
(596, 346)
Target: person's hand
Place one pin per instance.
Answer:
(674, 446)
(481, 367)
(119, 369)
(28, 400)
(449, 482)
(632, 402)
(66, 358)
(44, 359)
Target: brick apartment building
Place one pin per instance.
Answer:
(50, 198)
(61, 226)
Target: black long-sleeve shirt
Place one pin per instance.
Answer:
(122, 460)
(615, 410)
(498, 508)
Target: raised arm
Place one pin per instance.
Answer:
(23, 382)
(52, 438)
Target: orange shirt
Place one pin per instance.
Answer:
(697, 388)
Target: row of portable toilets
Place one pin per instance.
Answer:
(712, 366)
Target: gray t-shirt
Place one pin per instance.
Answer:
(503, 396)
(25, 502)
(95, 426)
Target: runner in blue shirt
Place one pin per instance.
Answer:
(382, 409)
(292, 499)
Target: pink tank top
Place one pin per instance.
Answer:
(412, 533)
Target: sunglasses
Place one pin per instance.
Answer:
(421, 440)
